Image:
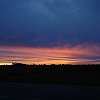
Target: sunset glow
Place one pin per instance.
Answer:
(57, 55)
(50, 31)
(5, 63)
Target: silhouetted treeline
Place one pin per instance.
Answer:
(18, 67)
(52, 74)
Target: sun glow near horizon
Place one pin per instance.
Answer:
(66, 55)
(5, 63)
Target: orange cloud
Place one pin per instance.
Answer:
(67, 55)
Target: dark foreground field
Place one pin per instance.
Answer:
(51, 74)
(52, 82)
(22, 91)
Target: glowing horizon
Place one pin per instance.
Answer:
(66, 55)
(5, 63)
(50, 31)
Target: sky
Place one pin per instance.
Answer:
(50, 31)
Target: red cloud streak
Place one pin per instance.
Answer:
(56, 55)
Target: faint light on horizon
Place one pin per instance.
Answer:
(67, 55)
(5, 63)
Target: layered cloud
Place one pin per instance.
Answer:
(49, 24)
(65, 55)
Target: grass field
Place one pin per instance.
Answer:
(51, 74)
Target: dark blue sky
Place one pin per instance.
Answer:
(49, 23)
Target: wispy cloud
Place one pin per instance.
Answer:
(39, 7)
(66, 55)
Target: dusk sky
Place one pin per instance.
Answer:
(50, 31)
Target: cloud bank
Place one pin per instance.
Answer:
(66, 55)
(49, 22)
(42, 24)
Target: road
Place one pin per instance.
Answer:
(21, 91)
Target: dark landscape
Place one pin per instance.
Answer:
(49, 82)
(51, 74)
